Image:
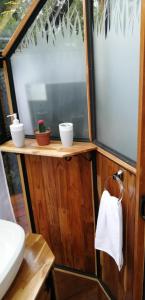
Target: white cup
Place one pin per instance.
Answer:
(66, 134)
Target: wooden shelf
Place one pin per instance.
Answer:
(55, 149)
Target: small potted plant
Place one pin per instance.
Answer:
(42, 134)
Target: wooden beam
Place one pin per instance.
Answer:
(140, 176)
(20, 27)
(117, 160)
(6, 78)
(94, 212)
(87, 70)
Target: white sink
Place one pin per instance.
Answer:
(12, 241)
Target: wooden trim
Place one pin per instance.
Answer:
(93, 206)
(140, 175)
(20, 27)
(24, 192)
(85, 277)
(55, 285)
(87, 70)
(117, 160)
(7, 87)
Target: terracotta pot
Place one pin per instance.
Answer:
(43, 138)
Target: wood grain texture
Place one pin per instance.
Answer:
(72, 286)
(61, 195)
(54, 149)
(87, 69)
(139, 244)
(119, 283)
(37, 263)
(117, 160)
(7, 84)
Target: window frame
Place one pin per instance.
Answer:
(17, 38)
(90, 43)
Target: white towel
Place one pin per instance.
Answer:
(110, 227)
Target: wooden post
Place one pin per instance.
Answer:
(87, 70)
(140, 176)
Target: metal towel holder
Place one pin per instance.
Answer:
(118, 176)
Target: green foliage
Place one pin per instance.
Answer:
(11, 13)
(41, 127)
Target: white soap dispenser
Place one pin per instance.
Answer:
(17, 131)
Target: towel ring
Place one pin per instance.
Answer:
(120, 183)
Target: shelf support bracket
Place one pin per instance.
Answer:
(88, 156)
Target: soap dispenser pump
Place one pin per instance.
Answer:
(17, 131)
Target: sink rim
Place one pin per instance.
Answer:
(11, 268)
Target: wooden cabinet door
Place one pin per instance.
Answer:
(62, 202)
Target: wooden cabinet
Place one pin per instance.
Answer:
(62, 203)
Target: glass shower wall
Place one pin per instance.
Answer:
(116, 55)
(49, 70)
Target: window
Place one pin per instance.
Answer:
(49, 70)
(116, 39)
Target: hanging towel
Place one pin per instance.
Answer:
(110, 227)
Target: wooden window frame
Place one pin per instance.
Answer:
(31, 13)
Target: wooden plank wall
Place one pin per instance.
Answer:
(119, 283)
(61, 195)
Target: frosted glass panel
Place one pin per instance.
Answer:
(116, 55)
(49, 70)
